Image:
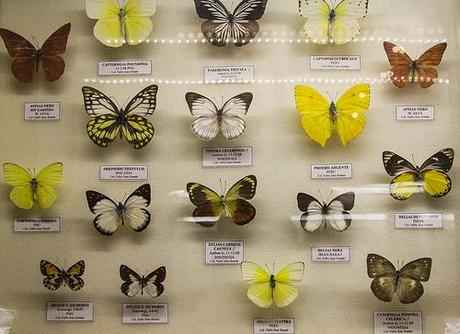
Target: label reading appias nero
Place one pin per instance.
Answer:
(398, 322)
(124, 173)
(224, 252)
(129, 67)
(332, 171)
(414, 113)
(70, 311)
(227, 156)
(274, 326)
(145, 313)
(37, 224)
(42, 111)
(229, 74)
(330, 254)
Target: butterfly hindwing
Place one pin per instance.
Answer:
(55, 276)
(135, 283)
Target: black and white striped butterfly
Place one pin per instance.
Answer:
(110, 214)
(223, 27)
(211, 120)
(55, 277)
(316, 214)
(135, 283)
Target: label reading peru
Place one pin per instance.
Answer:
(330, 254)
(332, 171)
(144, 313)
(415, 113)
(419, 221)
(274, 326)
(128, 67)
(227, 156)
(37, 224)
(349, 63)
(229, 73)
(70, 311)
(42, 111)
(398, 322)
(224, 251)
(124, 173)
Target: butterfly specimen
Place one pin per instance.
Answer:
(210, 206)
(406, 283)
(320, 117)
(316, 214)
(406, 70)
(332, 23)
(121, 21)
(268, 288)
(27, 59)
(431, 177)
(135, 283)
(28, 188)
(55, 276)
(108, 121)
(223, 27)
(110, 214)
(211, 120)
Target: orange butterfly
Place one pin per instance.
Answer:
(27, 58)
(406, 70)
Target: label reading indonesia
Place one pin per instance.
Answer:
(398, 322)
(229, 74)
(70, 311)
(418, 221)
(37, 224)
(227, 156)
(330, 254)
(144, 313)
(332, 171)
(42, 111)
(274, 326)
(128, 67)
(414, 113)
(224, 251)
(348, 63)
(124, 173)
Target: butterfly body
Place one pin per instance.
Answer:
(55, 277)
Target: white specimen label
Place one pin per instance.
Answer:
(227, 156)
(129, 67)
(414, 113)
(332, 171)
(224, 251)
(350, 63)
(145, 313)
(70, 311)
(274, 326)
(229, 74)
(37, 224)
(124, 173)
(398, 322)
(42, 111)
(330, 254)
(418, 221)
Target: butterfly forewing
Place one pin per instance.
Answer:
(144, 103)
(441, 161)
(396, 165)
(97, 103)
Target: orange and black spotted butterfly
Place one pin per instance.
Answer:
(55, 276)
(27, 58)
(405, 70)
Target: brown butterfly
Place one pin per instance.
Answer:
(406, 70)
(26, 57)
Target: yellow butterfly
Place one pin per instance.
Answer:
(320, 117)
(121, 21)
(28, 189)
(267, 289)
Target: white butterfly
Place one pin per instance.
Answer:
(332, 23)
(111, 215)
(210, 120)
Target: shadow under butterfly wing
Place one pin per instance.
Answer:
(134, 214)
(107, 218)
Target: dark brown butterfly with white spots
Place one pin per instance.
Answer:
(135, 283)
(55, 276)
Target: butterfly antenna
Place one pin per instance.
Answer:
(320, 195)
(413, 159)
(225, 187)
(35, 41)
(221, 186)
(329, 196)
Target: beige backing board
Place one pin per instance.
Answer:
(333, 298)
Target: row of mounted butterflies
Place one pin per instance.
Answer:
(233, 204)
(266, 288)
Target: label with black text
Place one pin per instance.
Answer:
(332, 171)
(227, 156)
(274, 326)
(128, 67)
(70, 311)
(229, 74)
(418, 221)
(124, 173)
(330, 254)
(224, 251)
(42, 111)
(398, 322)
(349, 63)
(37, 224)
(144, 313)
(414, 113)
